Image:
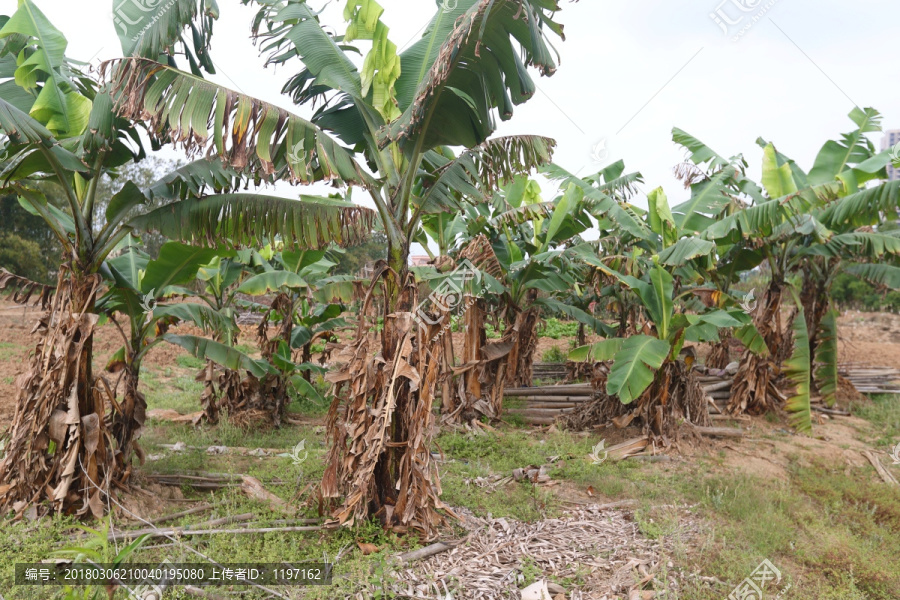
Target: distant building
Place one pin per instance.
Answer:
(419, 261)
(890, 140)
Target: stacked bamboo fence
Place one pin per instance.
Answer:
(871, 380)
(544, 371)
(542, 405)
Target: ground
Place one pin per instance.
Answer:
(692, 524)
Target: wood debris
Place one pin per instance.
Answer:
(489, 563)
(871, 380)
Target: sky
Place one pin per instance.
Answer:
(787, 70)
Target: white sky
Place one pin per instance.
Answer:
(629, 72)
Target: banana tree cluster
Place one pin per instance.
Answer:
(65, 128)
(661, 274)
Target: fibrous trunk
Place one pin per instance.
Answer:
(720, 356)
(816, 303)
(675, 396)
(380, 423)
(476, 387)
(753, 388)
(524, 337)
(60, 452)
(128, 420)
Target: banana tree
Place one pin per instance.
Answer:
(141, 290)
(294, 319)
(518, 245)
(67, 130)
(808, 224)
(399, 113)
(661, 275)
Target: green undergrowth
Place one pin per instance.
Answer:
(832, 529)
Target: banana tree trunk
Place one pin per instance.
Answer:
(720, 354)
(675, 396)
(521, 356)
(814, 296)
(479, 390)
(753, 388)
(380, 423)
(60, 451)
(128, 419)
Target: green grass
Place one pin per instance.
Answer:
(832, 529)
(186, 361)
(8, 350)
(884, 414)
(554, 355)
(555, 329)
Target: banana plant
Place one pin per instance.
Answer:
(68, 129)
(815, 225)
(645, 368)
(400, 112)
(142, 290)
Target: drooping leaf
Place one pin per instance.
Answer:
(826, 375)
(684, 250)
(177, 264)
(598, 351)
(635, 366)
(201, 315)
(876, 273)
(151, 28)
(752, 339)
(477, 172)
(223, 355)
(272, 281)
(866, 207)
(459, 76)
(798, 370)
(246, 132)
(249, 219)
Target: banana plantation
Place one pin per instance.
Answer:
(198, 346)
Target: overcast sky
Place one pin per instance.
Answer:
(630, 71)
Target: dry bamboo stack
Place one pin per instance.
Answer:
(871, 380)
(542, 405)
(544, 371)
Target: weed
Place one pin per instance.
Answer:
(554, 355)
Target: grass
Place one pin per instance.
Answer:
(187, 361)
(8, 350)
(554, 355)
(884, 414)
(832, 530)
